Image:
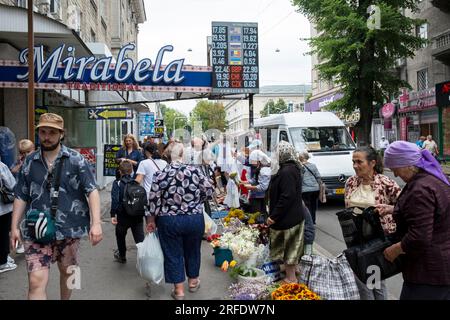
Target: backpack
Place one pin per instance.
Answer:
(134, 198)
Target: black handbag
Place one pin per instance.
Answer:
(366, 242)
(360, 228)
(6, 195)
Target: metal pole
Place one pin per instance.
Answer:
(250, 109)
(31, 112)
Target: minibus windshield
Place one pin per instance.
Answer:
(321, 139)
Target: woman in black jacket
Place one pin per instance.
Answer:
(286, 217)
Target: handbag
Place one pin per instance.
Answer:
(41, 225)
(364, 257)
(322, 187)
(6, 195)
(331, 279)
(366, 242)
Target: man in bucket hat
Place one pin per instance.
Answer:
(76, 210)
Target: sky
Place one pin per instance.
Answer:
(185, 24)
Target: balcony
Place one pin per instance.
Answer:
(441, 47)
(444, 5)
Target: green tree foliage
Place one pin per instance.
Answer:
(211, 114)
(274, 108)
(171, 117)
(359, 59)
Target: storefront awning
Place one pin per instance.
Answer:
(47, 32)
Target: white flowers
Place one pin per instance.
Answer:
(242, 243)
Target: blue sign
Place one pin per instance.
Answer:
(90, 73)
(146, 124)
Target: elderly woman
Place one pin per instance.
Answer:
(259, 181)
(310, 184)
(130, 150)
(422, 214)
(286, 217)
(176, 209)
(369, 187)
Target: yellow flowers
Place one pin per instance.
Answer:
(249, 218)
(294, 291)
(236, 213)
(226, 265)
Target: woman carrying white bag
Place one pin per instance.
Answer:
(150, 259)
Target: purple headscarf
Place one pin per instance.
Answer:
(404, 154)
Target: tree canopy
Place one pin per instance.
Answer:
(211, 114)
(172, 117)
(274, 108)
(358, 58)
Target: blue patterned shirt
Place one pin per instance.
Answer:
(77, 181)
(179, 189)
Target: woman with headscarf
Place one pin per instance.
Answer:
(286, 217)
(259, 182)
(176, 209)
(422, 214)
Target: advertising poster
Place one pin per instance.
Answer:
(146, 125)
(109, 163)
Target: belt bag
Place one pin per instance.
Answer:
(41, 225)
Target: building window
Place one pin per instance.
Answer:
(22, 3)
(92, 36)
(422, 79)
(94, 5)
(54, 6)
(422, 32)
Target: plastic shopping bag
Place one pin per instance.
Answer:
(232, 198)
(210, 225)
(150, 259)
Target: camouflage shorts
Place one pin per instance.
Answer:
(40, 256)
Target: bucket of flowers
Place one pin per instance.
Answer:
(220, 254)
(293, 291)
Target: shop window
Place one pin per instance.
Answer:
(422, 79)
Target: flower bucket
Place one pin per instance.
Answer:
(260, 277)
(221, 254)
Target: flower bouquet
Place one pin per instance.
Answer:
(248, 291)
(293, 291)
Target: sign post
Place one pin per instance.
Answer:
(234, 57)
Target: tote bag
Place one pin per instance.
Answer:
(331, 279)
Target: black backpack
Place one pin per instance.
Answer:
(134, 198)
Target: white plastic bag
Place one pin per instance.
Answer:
(210, 225)
(232, 198)
(150, 259)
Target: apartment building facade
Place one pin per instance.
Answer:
(237, 111)
(413, 112)
(93, 28)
